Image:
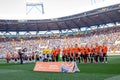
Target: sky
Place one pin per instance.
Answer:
(16, 9)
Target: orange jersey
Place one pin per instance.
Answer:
(77, 50)
(68, 50)
(82, 50)
(7, 56)
(25, 56)
(16, 56)
(87, 50)
(13, 55)
(64, 51)
(54, 52)
(31, 56)
(104, 49)
(71, 50)
(92, 50)
(58, 50)
(97, 49)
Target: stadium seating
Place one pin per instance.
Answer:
(105, 35)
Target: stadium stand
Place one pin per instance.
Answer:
(109, 36)
(97, 17)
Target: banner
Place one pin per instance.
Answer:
(56, 67)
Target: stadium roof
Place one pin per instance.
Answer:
(19, 9)
(105, 15)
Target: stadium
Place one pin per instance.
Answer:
(80, 39)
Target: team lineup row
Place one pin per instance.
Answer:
(71, 53)
(82, 54)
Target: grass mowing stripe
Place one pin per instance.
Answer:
(100, 68)
(2, 71)
(54, 76)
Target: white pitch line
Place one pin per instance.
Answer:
(114, 78)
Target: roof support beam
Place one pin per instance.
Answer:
(37, 31)
(91, 19)
(101, 20)
(48, 29)
(27, 27)
(67, 26)
(37, 28)
(108, 17)
(86, 24)
(58, 26)
(117, 14)
(7, 26)
(75, 24)
(17, 28)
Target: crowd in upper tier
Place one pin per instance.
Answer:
(109, 36)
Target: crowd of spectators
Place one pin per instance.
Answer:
(109, 36)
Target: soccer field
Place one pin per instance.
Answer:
(106, 71)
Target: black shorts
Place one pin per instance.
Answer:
(64, 56)
(76, 55)
(12, 58)
(82, 55)
(104, 55)
(47, 55)
(68, 55)
(92, 55)
(32, 57)
(86, 55)
(15, 59)
(72, 54)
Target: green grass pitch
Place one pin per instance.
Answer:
(106, 71)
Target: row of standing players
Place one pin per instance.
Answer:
(82, 54)
(74, 53)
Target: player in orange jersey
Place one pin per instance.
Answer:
(54, 54)
(68, 53)
(104, 49)
(71, 53)
(77, 50)
(13, 56)
(87, 51)
(64, 54)
(8, 57)
(96, 55)
(82, 53)
(92, 52)
(100, 55)
(57, 53)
